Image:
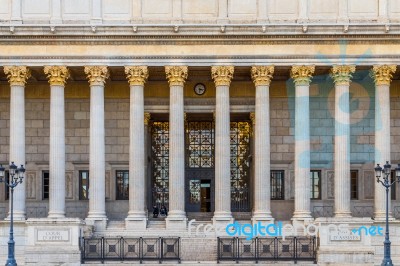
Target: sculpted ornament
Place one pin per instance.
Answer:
(147, 117)
(342, 74)
(97, 74)
(17, 75)
(222, 75)
(383, 74)
(176, 75)
(302, 74)
(262, 75)
(57, 75)
(136, 75)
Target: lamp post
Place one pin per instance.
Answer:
(16, 176)
(387, 183)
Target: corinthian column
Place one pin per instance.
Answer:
(222, 76)
(17, 77)
(302, 78)
(57, 76)
(341, 76)
(262, 76)
(97, 209)
(382, 76)
(137, 218)
(176, 76)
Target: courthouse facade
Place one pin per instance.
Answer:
(219, 110)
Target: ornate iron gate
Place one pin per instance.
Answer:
(160, 163)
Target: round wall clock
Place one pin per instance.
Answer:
(199, 89)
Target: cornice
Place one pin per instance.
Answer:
(201, 39)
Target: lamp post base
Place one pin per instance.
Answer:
(387, 262)
(11, 262)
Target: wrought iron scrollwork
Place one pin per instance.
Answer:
(160, 163)
(240, 165)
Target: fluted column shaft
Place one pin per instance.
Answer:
(382, 76)
(222, 76)
(17, 76)
(302, 78)
(176, 76)
(137, 76)
(57, 76)
(262, 76)
(341, 76)
(97, 76)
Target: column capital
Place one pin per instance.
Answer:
(147, 117)
(176, 75)
(57, 75)
(262, 75)
(17, 75)
(382, 74)
(97, 75)
(342, 74)
(136, 75)
(222, 75)
(302, 74)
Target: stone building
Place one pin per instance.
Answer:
(220, 110)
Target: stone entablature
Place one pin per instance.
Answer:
(204, 11)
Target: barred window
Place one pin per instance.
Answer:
(315, 184)
(354, 185)
(45, 184)
(277, 184)
(84, 185)
(122, 184)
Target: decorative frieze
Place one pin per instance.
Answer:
(57, 75)
(382, 74)
(136, 75)
(302, 74)
(341, 74)
(17, 75)
(97, 74)
(176, 75)
(262, 75)
(222, 75)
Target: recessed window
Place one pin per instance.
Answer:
(84, 185)
(315, 184)
(354, 185)
(45, 184)
(277, 185)
(7, 189)
(122, 184)
(393, 187)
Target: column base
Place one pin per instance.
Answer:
(302, 217)
(381, 216)
(17, 216)
(175, 222)
(341, 215)
(263, 217)
(222, 219)
(56, 215)
(98, 222)
(135, 222)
